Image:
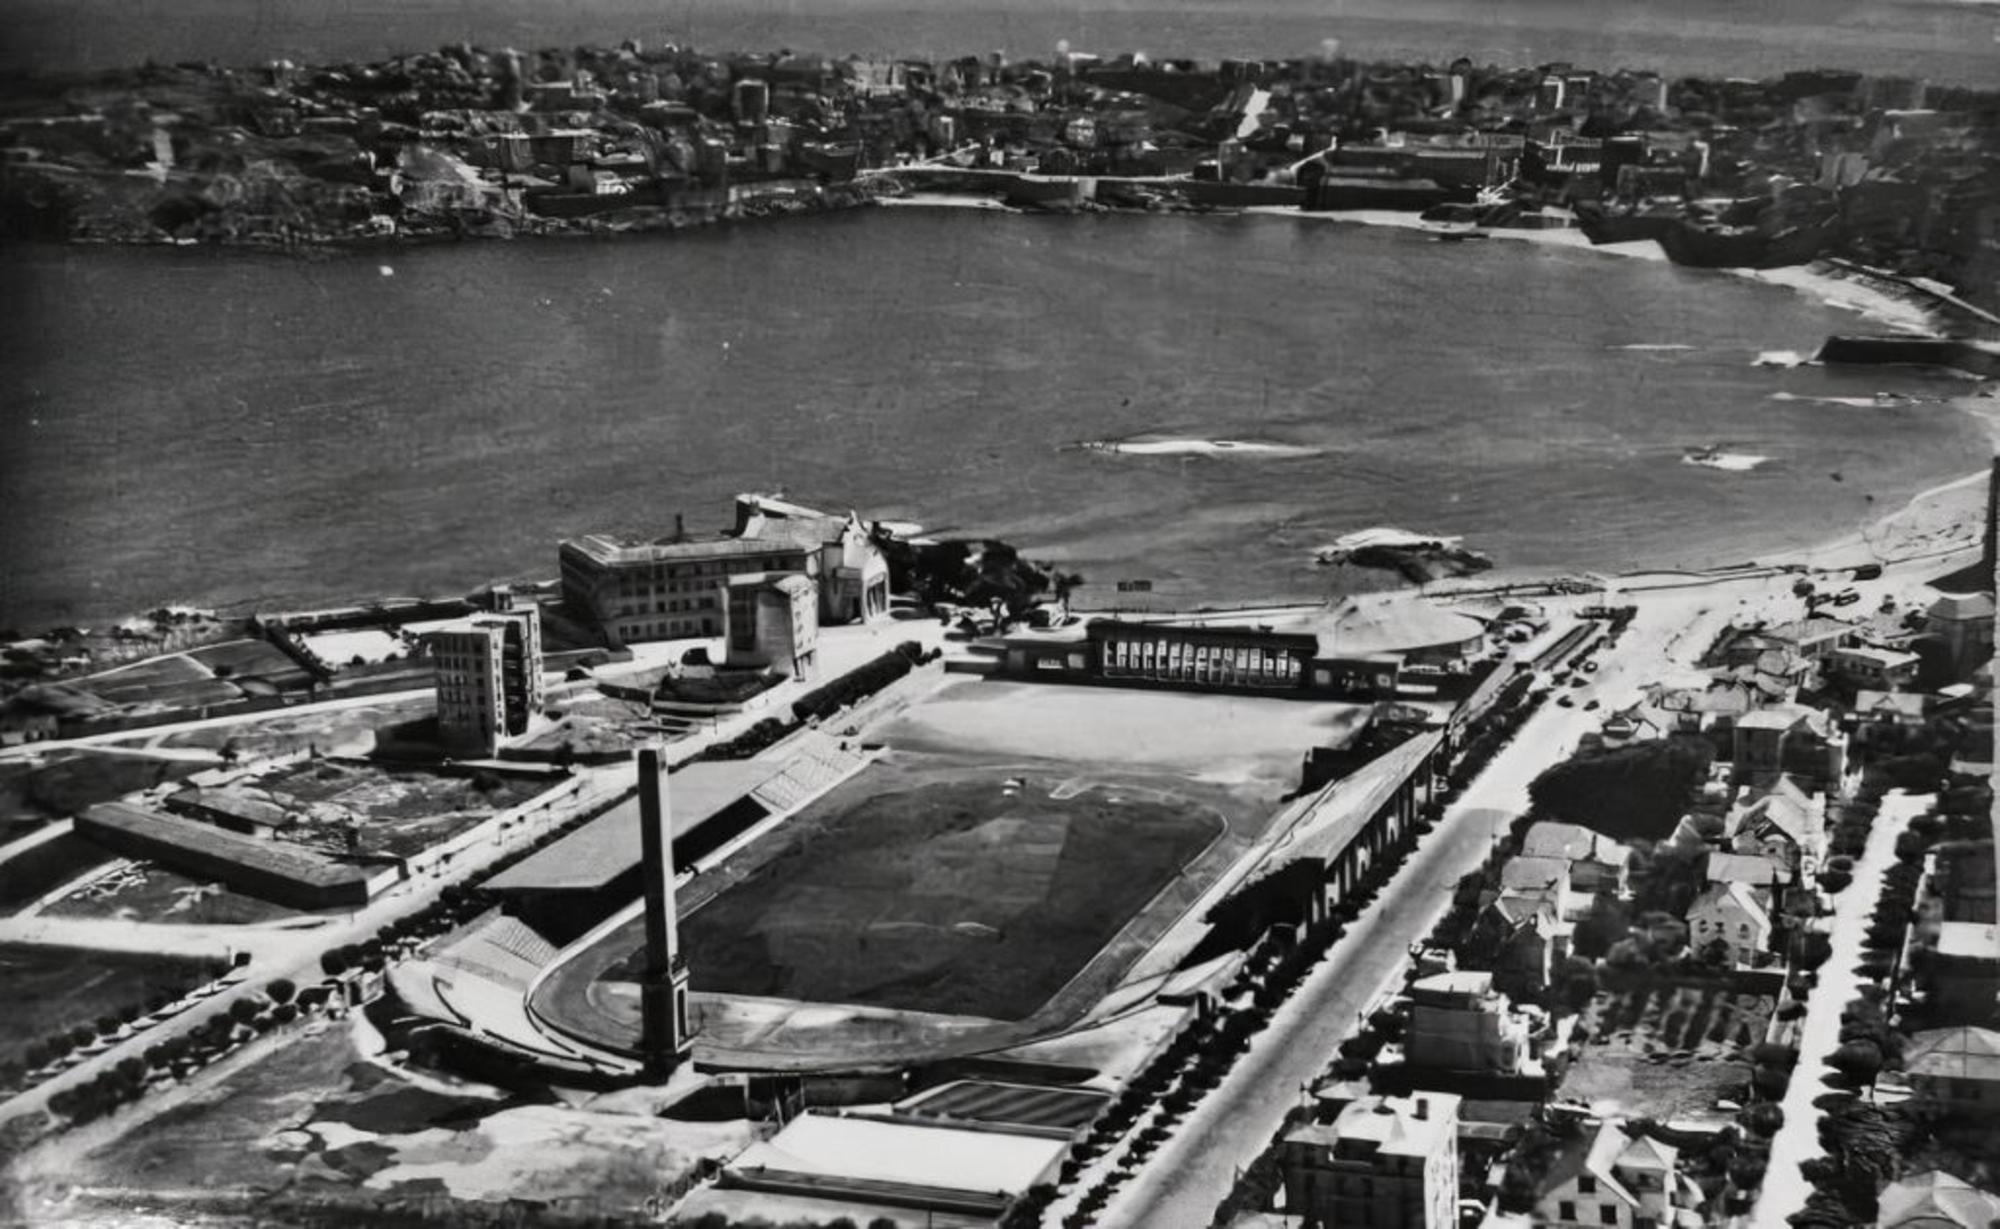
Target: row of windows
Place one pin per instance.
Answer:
(630, 580)
(1202, 663)
(1606, 1215)
(668, 627)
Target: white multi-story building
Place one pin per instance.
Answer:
(772, 623)
(1382, 1163)
(676, 587)
(489, 679)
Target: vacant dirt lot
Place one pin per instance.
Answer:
(946, 889)
(312, 1120)
(1668, 1051)
(1251, 741)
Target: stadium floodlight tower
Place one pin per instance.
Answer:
(665, 1039)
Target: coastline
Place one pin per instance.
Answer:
(1820, 280)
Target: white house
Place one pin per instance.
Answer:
(1732, 914)
(1618, 1180)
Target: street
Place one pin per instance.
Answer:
(1180, 1186)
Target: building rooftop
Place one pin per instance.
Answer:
(1782, 717)
(1954, 1054)
(606, 549)
(1417, 1125)
(1397, 622)
(1554, 839)
(1525, 873)
(1936, 1200)
(1969, 940)
(1752, 870)
(1460, 984)
(1741, 895)
(1870, 703)
(904, 1152)
(293, 862)
(1961, 607)
(1886, 658)
(608, 846)
(1350, 802)
(234, 804)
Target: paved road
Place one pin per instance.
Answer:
(1180, 1187)
(1785, 1190)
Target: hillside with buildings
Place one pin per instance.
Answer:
(466, 141)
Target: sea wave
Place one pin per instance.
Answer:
(1734, 462)
(1780, 358)
(1878, 401)
(1199, 448)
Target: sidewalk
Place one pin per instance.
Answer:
(1785, 1190)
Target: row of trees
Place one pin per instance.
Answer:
(246, 1017)
(860, 683)
(16, 1073)
(1257, 1186)
(1864, 1143)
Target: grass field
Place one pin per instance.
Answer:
(52, 988)
(242, 659)
(949, 889)
(1667, 1050)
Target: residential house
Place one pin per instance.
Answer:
(1816, 638)
(1548, 878)
(1596, 862)
(1641, 723)
(1620, 1180)
(1522, 939)
(1961, 976)
(1935, 1200)
(1730, 914)
(1965, 622)
(1786, 738)
(1459, 1022)
(1895, 709)
(1786, 825)
(1382, 1163)
(1752, 870)
(1874, 668)
(1954, 1072)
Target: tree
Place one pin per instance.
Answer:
(1579, 983)
(1627, 793)
(243, 1010)
(1605, 924)
(1861, 1060)
(281, 990)
(333, 963)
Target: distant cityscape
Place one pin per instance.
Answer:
(1885, 173)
